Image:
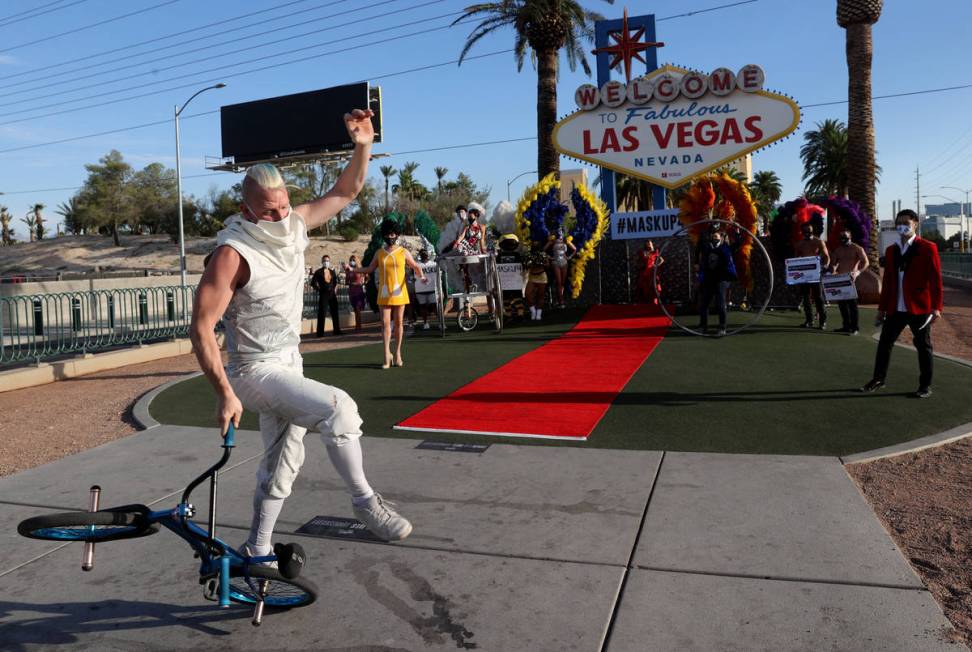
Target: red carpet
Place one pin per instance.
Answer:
(559, 390)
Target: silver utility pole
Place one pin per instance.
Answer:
(182, 237)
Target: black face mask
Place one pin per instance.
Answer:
(424, 257)
(845, 240)
(472, 219)
(390, 239)
(716, 242)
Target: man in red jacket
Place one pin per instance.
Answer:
(911, 295)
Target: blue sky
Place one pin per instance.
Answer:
(798, 43)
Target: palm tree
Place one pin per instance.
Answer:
(824, 155)
(856, 17)
(31, 221)
(633, 193)
(407, 184)
(440, 174)
(38, 221)
(388, 172)
(546, 27)
(70, 211)
(766, 189)
(6, 233)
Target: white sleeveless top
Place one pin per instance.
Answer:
(263, 318)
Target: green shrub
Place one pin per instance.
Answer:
(349, 232)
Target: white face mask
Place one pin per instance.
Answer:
(327, 264)
(279, 229)
(903, 229)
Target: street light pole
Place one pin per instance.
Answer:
(510, 183)
(182, 237)
(961, 230)
(965, 218)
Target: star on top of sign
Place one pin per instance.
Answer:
(628, 46)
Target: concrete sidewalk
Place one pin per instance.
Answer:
(516, 548)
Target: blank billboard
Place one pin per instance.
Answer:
(291, 125)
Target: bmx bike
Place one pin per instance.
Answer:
(225, 574)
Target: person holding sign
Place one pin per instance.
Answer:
(812, 246)
(716, 271)
(851, 259)
(911, 295)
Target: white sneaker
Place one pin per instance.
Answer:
(426, 326)
(539, 314)
(249, 551)
(533, 313)
(383, 521)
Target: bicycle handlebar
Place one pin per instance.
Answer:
(229, 440)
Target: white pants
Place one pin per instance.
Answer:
(289, 405)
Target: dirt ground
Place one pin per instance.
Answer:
(103, 402)
(924, 501)
(157, 253)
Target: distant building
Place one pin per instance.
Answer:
(953, 209)
(945, 226)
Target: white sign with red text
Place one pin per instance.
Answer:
(675, 124)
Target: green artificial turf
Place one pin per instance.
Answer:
(775, 388)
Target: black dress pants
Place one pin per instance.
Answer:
(812, 295)
(713, 290)
(325, 304)
(848, 314)
(894, 323)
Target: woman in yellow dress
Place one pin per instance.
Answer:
(390, 261)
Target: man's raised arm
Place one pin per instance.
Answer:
(352, 180)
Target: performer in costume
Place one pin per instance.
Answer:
(390, 261)
(471, 240)
(648, 260)
(536, 288)
(254, 282)
(560, 252)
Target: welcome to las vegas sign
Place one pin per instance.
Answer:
(675, 124)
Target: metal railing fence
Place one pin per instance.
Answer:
(956, 264)
(36, 327)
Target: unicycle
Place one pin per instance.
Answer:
(226, 575)
(467, 318)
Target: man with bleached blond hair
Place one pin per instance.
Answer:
(254, 282)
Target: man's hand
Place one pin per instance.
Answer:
(359, 126)
(936, 315)
(228, 409)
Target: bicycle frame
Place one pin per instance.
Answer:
(217, 557)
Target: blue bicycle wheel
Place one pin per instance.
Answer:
(87, 526)
(281, 592)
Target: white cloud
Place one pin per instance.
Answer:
(7, 60)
